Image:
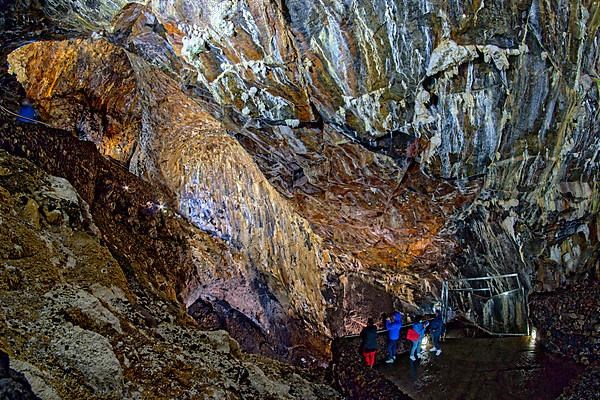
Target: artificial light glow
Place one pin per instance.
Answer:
(126, 188)
(533, 334)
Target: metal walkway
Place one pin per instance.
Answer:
(495, 304)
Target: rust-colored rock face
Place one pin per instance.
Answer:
(361, 203)
(374, 215)
(260, 73)
(113, 120)
(314, 72)
(216, 184)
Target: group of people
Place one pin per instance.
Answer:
(394, 325)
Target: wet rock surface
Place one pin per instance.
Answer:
(357, 380)
(568, 322)
(460, 88)
(586, 386)
(483, 368)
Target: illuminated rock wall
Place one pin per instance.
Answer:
(418, 139)
(216, 183)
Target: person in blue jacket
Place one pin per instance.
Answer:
(393, 326)
(437, 329)
(419, 327)
(27, 113)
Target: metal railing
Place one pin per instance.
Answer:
(489, 294)
(385, 330)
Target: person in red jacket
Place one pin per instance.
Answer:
(415, 335)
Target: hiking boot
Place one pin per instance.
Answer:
(389, 360)
(437, 353)
(433, 349)
(413, 358)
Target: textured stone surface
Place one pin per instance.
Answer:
(358, 381)
(587, 386)
(217, 185)
(88, 15)
(568, 320)
(89, 354)
(568, 323)
(88, 327)
(37, 378)
(13, 385)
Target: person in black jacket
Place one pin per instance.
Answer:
(437, 328)
(368, 344)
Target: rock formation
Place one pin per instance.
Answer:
(78, 326)
(318, 161)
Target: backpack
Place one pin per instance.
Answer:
(412, 335)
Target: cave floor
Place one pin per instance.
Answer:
(482, 368)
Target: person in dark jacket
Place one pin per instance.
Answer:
(368, 345)
(393, 326)
(27, 113)
(437, 329)
(418, 327)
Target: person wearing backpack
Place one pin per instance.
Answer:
(368, 345)
(393, 326)
(415, 335)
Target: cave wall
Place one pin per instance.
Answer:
(216, 184)
(505, 92)
(419, 140)
(87, 287)
(535, 139)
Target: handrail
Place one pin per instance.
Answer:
(462, 285)
(507, 292)
(385, 330)
(483, 278)
(6, 110)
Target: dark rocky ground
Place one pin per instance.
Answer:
(569, 320)
(13, 384)
(586, 386)
(569, 324)
(358, 381)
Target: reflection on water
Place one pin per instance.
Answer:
(483, 368)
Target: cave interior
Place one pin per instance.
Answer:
(208, 199)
